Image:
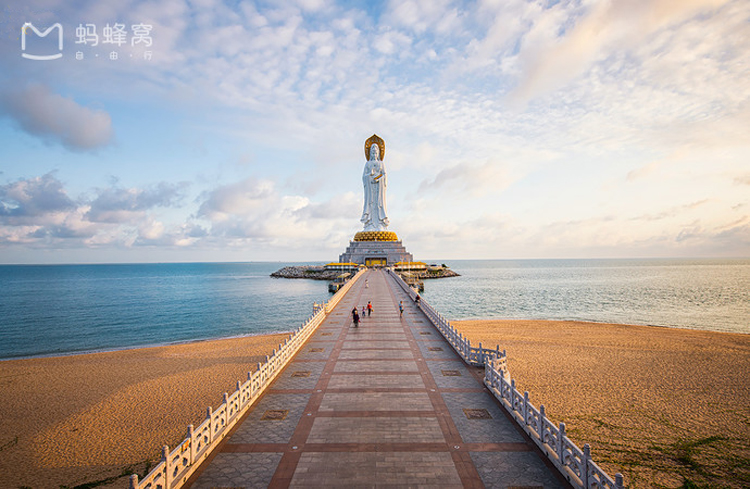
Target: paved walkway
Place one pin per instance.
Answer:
(388, 404)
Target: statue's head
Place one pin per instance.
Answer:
(374, 152)
(374, 148)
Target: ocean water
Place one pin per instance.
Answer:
(62, 309)
(707, 294)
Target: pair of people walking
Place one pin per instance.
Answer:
(365, 309)
(355, 316)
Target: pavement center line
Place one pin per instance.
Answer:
(282, 477)
(467, 472)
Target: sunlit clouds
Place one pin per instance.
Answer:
(513, 129)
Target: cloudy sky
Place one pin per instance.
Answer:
(513, 128)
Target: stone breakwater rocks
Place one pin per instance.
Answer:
(306, 271)
(320, 273)
(442, 273)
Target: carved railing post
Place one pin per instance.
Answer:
(542, 421)
(226, 410)
(526, 408)
(210, 416)
(191, 445)
(585, 469)
(488, 374)
(618, 481)
(561, 444)
(167, 468)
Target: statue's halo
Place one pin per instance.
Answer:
(375, 139)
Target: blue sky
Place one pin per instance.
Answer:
(513, 129)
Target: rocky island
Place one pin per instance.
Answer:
(315, 272)
(320, 272)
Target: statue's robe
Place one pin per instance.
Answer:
(374, 212)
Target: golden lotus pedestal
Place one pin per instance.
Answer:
(375, 236)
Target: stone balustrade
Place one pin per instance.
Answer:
(178, 465)
(476, 356)
(575, 464)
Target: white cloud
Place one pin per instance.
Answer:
(73, 226)
(151, 229)
(55, 118)
(120, 205)
(34, 200)
(311, 5)
(466, 179)
(422, 15)
(391, 42)
(253, 210)
(505, 23)
(37, 211)
(250, 196)
(551, 61)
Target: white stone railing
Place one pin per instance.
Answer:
(573, 463)
(333, 301)
(178, 465)
(476, 356)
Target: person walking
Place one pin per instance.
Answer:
(355, 317)
(364, 311)
(400, 308)
(369, 308)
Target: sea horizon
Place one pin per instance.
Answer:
(99, 307)
(323, 262)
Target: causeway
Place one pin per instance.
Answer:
(387, 404)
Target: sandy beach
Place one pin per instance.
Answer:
(660, 405)
(66, 421)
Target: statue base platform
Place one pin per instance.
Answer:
(376, 252)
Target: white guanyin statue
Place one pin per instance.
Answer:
(375, 181)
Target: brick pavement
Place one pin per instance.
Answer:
(388, 404)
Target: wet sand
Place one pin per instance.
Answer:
(77, 419)
(660, 405)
